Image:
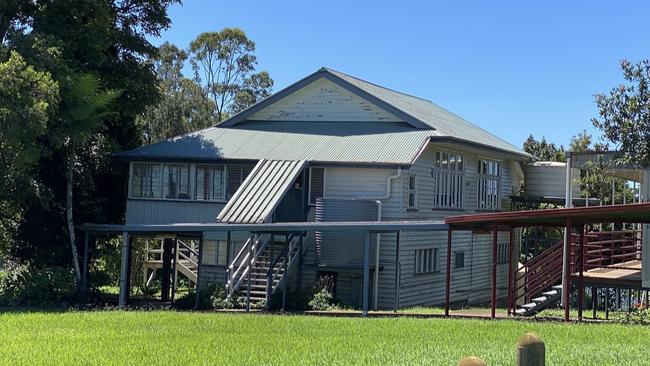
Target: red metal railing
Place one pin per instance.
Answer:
(605, 249)
(538, 274)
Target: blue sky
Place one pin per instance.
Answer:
(513, 68)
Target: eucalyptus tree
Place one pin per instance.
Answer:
(224, 64)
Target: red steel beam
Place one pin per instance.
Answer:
(566, 288)
(581, 280)
(511, 295)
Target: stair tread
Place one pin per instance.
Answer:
(540, 299)
(550, 293)
(529, 305)
(520, 311)
(557, 287)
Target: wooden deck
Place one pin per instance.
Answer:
(626, 274)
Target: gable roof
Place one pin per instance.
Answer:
(419, 113)
(384, 143)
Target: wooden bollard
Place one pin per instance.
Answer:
(472, 361)
(530, 350)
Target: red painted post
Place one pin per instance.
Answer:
(567, 275)
(581, 282)
(511, 254)
(448, 277)
(494, 271)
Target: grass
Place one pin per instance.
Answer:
(167, 337)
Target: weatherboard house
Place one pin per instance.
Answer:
(330, 148)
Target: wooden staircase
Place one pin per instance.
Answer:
(186, 259)
(275, 256)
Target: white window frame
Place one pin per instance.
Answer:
(487, 182)
(448, 183)
(163, 180)
(412, 190)
(310, 184)
(426, 261)
(224, 176)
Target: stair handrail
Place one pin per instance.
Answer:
(289, 252)
(539, 272)
(239, 274)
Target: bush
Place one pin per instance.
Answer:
(323, 300)
(26, 285)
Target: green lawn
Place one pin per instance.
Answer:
(166, 337)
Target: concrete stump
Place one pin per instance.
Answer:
(530, 351)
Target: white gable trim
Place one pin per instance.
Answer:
(323, 100)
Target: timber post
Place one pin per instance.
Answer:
(531, 351)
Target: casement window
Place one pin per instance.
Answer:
(426, 260)
(448, 175)
(146, 181)
(236, 174)
(215, 252)
(176, 181)
(412, 192)
(316, 184)
(210, 183)
(503, 255)
(459, 260)
(489, 183)
(155, 180)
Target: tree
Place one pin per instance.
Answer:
(70, 40)
(82, 115)
(183, 106)
(542, 150)
(624, 114)
(28, 98)
(224, 63)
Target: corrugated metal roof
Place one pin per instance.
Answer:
(445, 122)
(329, 142)
(362, 143)
(261, 192)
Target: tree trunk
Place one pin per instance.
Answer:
(73, 245)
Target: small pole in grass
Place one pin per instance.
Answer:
(530, 350)
(472, 361)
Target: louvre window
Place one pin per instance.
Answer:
(210, 182)
(448, 175)
(316, 184)
(236, 174)
(426, 260)
(489, 182)
(412, 199)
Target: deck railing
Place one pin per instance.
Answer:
(604, 249)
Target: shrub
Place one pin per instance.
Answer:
(26, 285)
(220, 301)
(323, 300)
